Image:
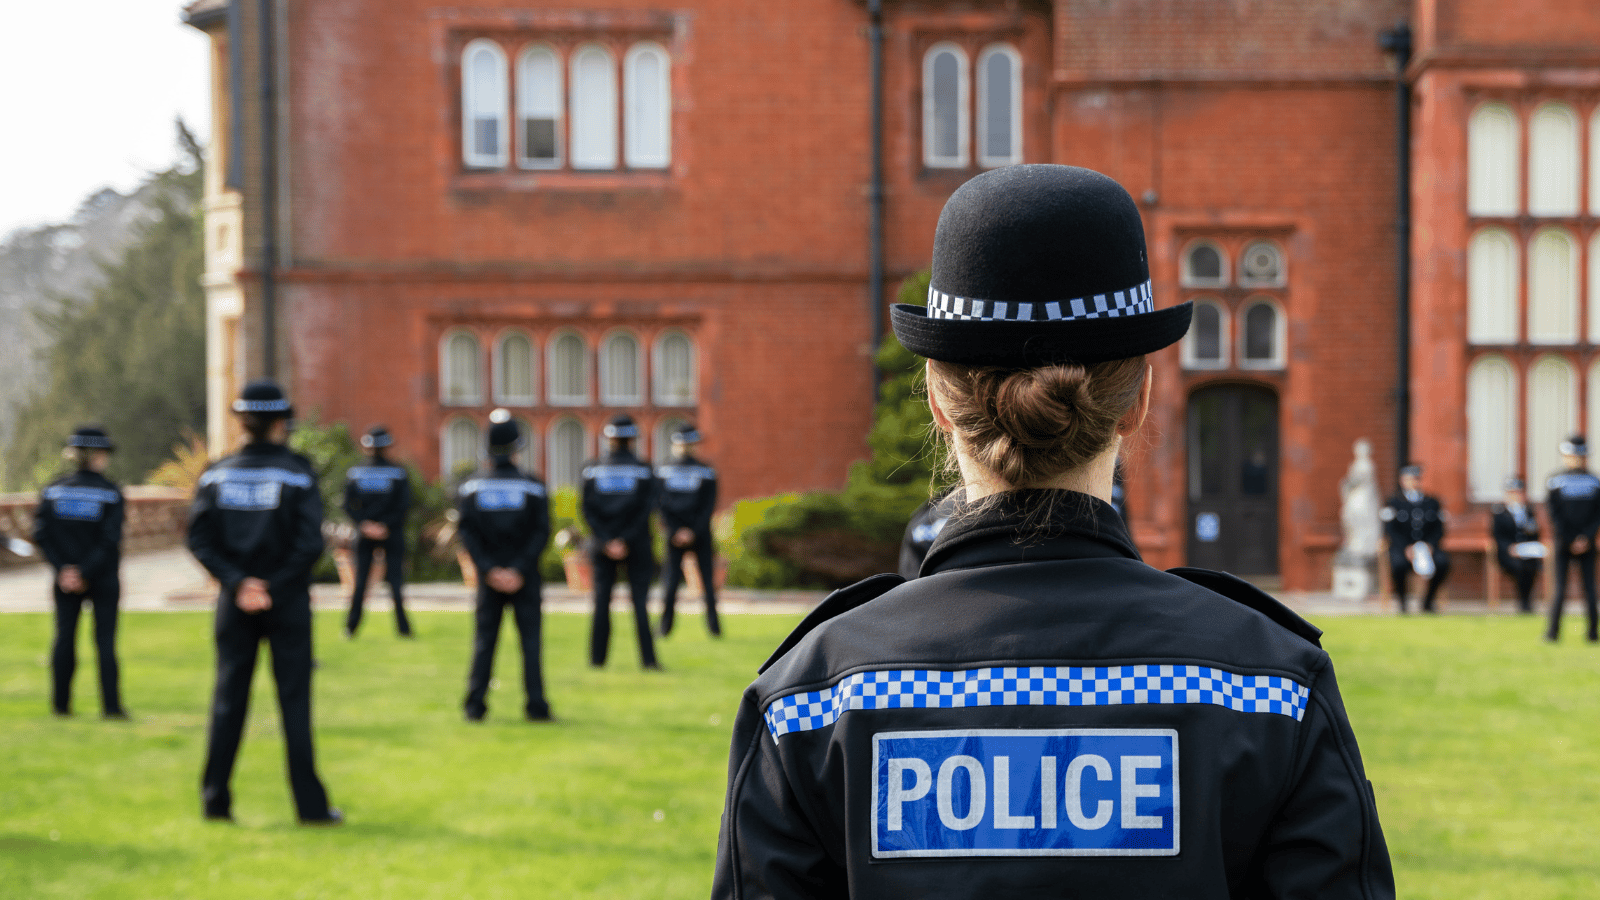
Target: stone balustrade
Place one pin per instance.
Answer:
(155, 519)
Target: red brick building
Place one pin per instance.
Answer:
(670, 210)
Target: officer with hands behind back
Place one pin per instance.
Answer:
(1011, 723)
(1516, 541)
(618, 495)
(688, 500)
(1573, 499)
(1413, 522)
(256, 526)
(78, 526)
(377, 496)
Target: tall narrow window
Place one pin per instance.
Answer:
(567, 449)
(1552, 417)
(569, 370)
(594, 109)
(649, 103)
(460, 370)
(1261, 336)
(513, 370)
(1492, 161)
(621, 380)
(1594, 163)
(1206, 344)
(539, 108)
(664, 431)
(1491, 426)
(483, 105)
(1594, 296)
(1203, 266)
(527, 458)
(999, 106)
(1553, 161)
(674, 370)
(459, 448)
(1552, 288)
(1492, 288)
(944, 107)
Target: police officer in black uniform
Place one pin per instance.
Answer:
(925, 525)
(1022, 719)
(78, 526)
(377, 496)
(688, 498)
(619, 491)
(256, 526)
(505, 524)
(1573, 499)
(1411, 518)
(1515, 528)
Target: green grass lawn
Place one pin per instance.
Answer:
(1483, 744)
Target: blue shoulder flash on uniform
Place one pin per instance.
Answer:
(841, 601)
(1241, 591)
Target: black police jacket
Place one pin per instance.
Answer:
(618, 494)
(688, 494)
(79, 523)
(1573, 500)
(258, 514)
(1041, 714)
(1508, 531)
(1406, 522)
(505, 519)
(377, 491)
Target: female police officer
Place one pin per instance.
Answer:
(256, 525)
(1024, 719)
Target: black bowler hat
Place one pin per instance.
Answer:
(264, 397)
(1039, 265)
(686, 434)
(505, 438)
(376, 436)
(621, 427)
(1575, 446)
(90, 437)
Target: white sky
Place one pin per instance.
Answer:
(89, 90)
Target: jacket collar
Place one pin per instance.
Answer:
(1030, 525)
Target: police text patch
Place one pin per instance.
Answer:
(1014, 792)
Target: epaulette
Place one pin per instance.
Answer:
(841, 601)
(1242, 591)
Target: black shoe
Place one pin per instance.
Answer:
(548, 717)
(472, 716)
(653, 667)
(408, 635)
(333, 819)
(218, 815)
(117, 715)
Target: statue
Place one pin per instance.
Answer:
(1355, 565)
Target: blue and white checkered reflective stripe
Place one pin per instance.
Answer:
(243, 475)
(1134, 301)
(1037, 686)
(70, 492)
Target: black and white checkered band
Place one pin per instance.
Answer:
(1131, 302)
(261, 406)
(93, 442)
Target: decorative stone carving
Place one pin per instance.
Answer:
(1355, 565)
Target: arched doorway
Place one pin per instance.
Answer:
(1233, 479)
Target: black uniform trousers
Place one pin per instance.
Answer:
(1400, 569)
(1564, 560)
(1523, 573)
(705, 561)
(103, 593)
(394, 563)
(640, 565)
(287, 628)
(528, 615)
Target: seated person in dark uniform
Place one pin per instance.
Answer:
(1413, 522)
(1516, 541)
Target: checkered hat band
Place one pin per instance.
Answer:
(92, 442)
(1037, 686)
(261, 406)
(1131, 302)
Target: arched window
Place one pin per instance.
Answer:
(1491, 426)
(648, 86)
(1492, 161)
(1492, 288)
(460, 448)
(1553, 161)
(594, 108)
(483, 105)
(513, 370)
(460, 370)
(675, 376)
(999, 106)
(527, 457)
(568, 376)
(1206, 344)
(1594, 293)
(1552, 417)
(1552, 288)
(1261, 265)
(944, 107)
(1204, 265)
(621, 376)
(1594, 163)
(539, 108)
(663, 433)
(1261, 334)
(568, 447)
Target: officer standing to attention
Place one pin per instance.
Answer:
(619, 491)
(377, 496)
(1573, 499)
(688, 500)
(1413, 518)
(925, 525)
(78, 526)
(1516, 541)
(1012, 722)
(256, 525)
(505, 524)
